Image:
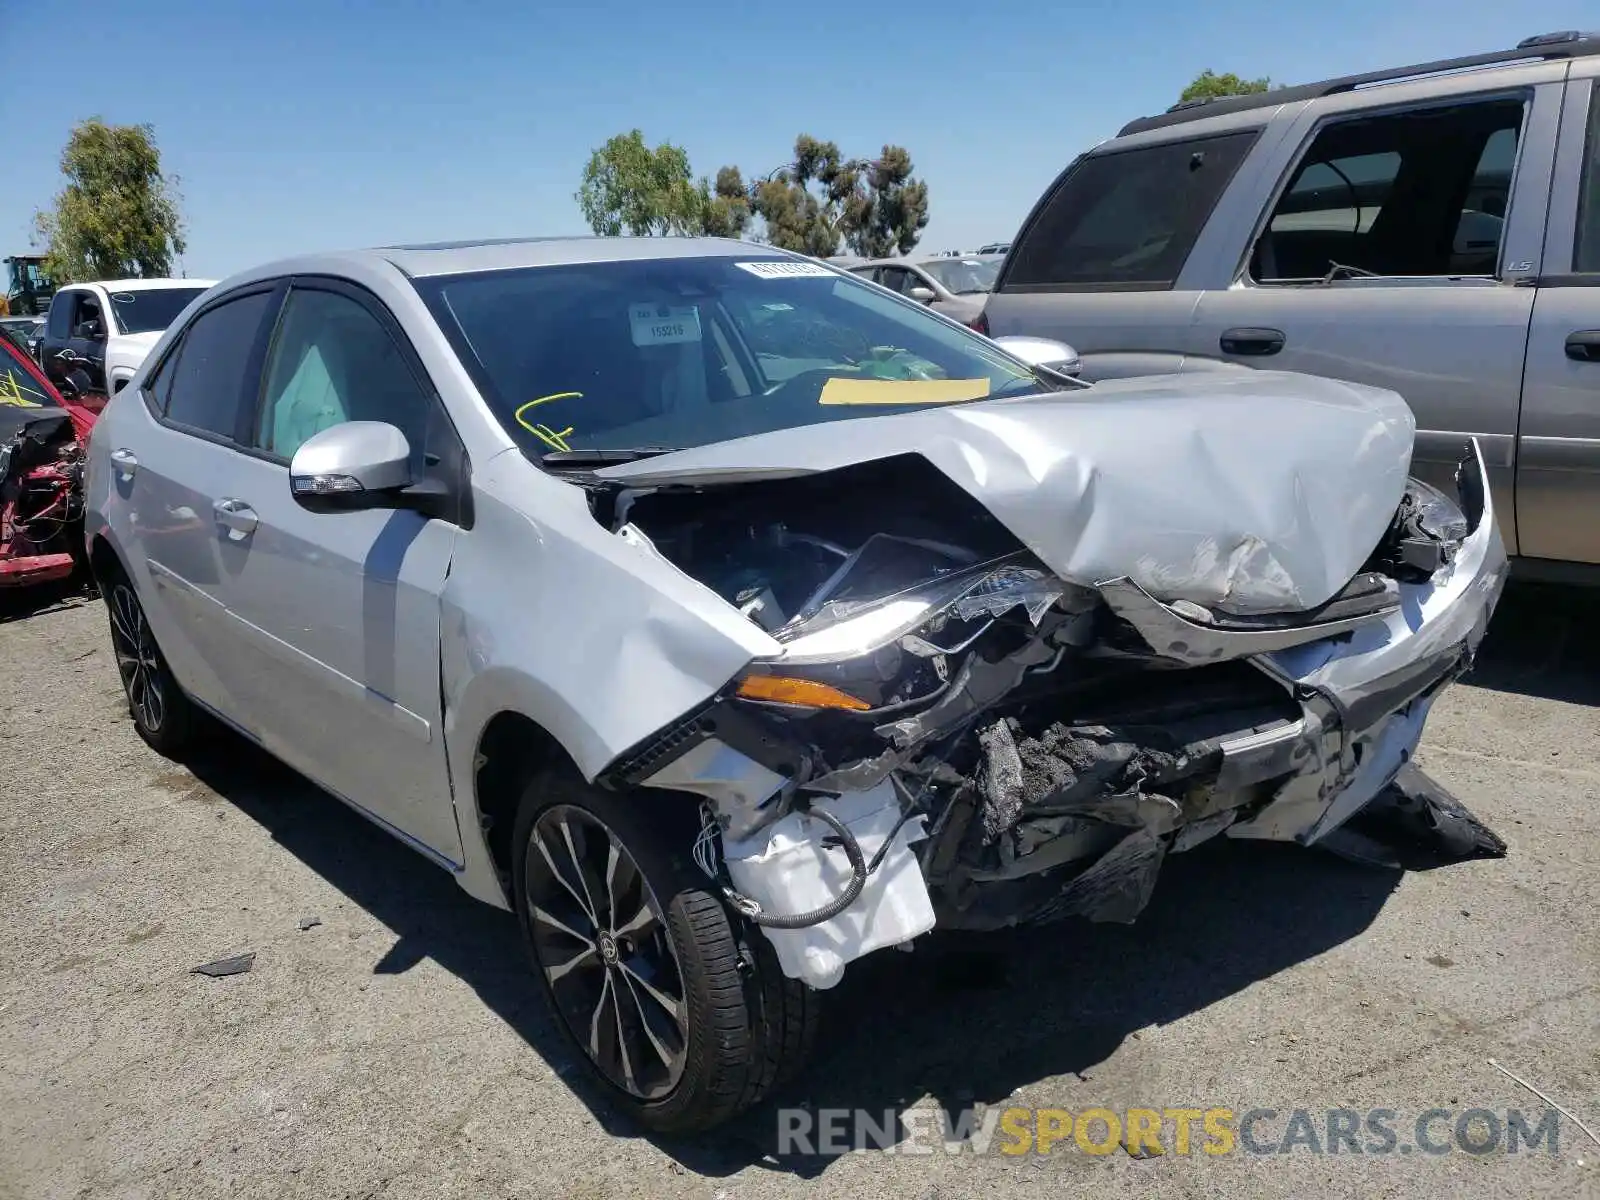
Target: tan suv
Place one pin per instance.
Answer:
(1433, 229)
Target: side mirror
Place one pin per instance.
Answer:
(1056, 357)
(360, 464)
(924, 294)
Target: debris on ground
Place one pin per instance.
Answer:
(1415, 822)
(309, 923)
(1514, 1077)
(237, 965)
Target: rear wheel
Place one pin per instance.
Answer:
(161, 712)
(682, 1014)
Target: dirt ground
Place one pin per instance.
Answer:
(398, 1048)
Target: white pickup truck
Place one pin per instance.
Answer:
(97, 334)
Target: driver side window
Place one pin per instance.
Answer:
(332, 361)
(1418, 193)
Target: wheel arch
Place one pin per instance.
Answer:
(509, 747)
(105, 559)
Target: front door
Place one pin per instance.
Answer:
(1558, 458)
(75, 340)
(338, 614)
(1398, 254)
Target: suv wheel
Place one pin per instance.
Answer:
(684, 1018)
(161, 712)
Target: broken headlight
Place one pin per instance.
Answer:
(1424, 535)
(849, 631)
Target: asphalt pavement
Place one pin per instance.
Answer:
(388, 1039)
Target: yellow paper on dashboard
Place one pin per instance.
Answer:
(902, 391)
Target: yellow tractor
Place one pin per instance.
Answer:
(28, 288)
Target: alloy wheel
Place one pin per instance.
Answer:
(601, 938)
(138, 660)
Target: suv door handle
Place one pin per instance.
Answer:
(236, 515)
(1251, 340)
(1583, 345)
(125, 461)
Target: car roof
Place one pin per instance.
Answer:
(435, 259)
(1568, 43)
(140, 285)
(457, 258)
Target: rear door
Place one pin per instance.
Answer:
(1558, 455)
(1398, 247)
(338, 613)
(174, 454)
(1110, 261)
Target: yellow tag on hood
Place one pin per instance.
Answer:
(902, 391)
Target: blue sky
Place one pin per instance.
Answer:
(313, 124)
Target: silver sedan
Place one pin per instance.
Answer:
(728, 618)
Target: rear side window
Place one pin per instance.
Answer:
(1586, 254)
(1129, 218)
(208, 379)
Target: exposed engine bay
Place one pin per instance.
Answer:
(956, 735)
(41, 492)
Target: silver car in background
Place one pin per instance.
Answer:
(955, 285)
(728, 618)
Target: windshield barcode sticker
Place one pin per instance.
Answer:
(663, 324)
(786, 270)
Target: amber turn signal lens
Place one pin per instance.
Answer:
(780, 689)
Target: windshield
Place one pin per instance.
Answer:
(679, 352)
(150, 310)
(964, 275)
(19, 387)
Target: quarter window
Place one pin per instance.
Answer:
(208, 380)
(1411, 194)
(1127, 218)
(332, 362)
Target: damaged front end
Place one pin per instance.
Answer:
(955, 735)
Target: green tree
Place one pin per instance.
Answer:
(800, 205)
(629, 188)
(118, 215)
(724, 205)
(1208, 85)
(823, 200)
(886, 210)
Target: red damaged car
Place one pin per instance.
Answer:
(43, 438)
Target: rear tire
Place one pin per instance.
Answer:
(609, 898)
(162, 714)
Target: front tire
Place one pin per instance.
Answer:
(682, 1014)
(161, 712)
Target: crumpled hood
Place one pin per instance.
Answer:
(1253, 491)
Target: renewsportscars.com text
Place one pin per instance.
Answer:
(1156, 1131)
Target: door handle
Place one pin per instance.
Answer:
(236, 515)
(125, 461)
(1250, 340)
(1583, 345)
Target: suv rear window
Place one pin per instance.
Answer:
(1127, 218)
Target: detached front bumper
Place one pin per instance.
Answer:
(1365, 698)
